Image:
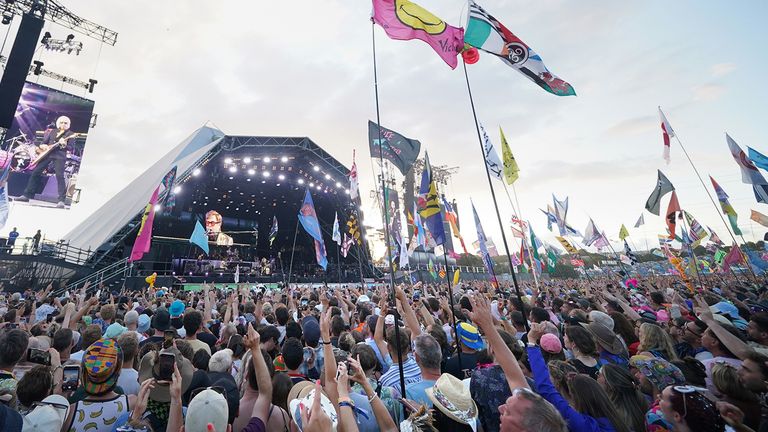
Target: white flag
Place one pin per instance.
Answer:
(492, 161)
(336, 233)
(353, 185)
(237, 274)
(403, 254)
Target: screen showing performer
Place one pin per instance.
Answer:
(213, 222)
(44, 146)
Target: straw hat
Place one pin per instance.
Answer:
(307, 401)
(452, 398)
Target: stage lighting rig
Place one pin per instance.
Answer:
(68, 45)
(7, 18)
(37, 69)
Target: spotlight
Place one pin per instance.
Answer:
(265, 174)
(316, 168)
(346, 191)
(91, 84)
(46, 38)
(7, 19)
(251, 171)
(301, 181)
(177, 189)
(196, 172)
(327, 176)
(267, 159)
(281, 177)
(158, 207)
(319, 187)
(228, 160)
(284, 159)
(311, 185)
(233, 169)
(38, 67)
(247, 160)
(338, 185)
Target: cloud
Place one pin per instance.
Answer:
(708, 92)
(632, 126)
(722, 69)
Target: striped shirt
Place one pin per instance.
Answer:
(391, 377)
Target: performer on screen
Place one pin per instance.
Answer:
(62, 139)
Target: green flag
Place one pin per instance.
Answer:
(719, 255)
(551, 261)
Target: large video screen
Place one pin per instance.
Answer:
(44, 147)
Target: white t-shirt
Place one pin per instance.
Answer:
(129, 381)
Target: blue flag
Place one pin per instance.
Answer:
(429, 204)
(759, 159)
(308, 219)
(199, 237)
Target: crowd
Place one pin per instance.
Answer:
(568, 355)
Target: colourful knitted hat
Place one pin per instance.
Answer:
(279, 364)
(102, 362)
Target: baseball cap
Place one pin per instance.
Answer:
(176, 309)
(469, 336)
(311, 330)
(48, 415)
(208, 406)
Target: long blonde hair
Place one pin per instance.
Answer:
(654, 338)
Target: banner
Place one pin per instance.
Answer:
(392, 146)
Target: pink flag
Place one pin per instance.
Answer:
(144, 237)
(733, 257)
(405, 20)
(667, 132)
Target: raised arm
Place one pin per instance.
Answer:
(263, 402)
(383, 419)
(410, 315)
(378, 334)
(731, 341)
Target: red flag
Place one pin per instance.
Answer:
(667, 133)
(733, 257)
(672, 209)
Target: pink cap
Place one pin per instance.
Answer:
(550, 343)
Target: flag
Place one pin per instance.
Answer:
(591, 234)
(667, 132)
(199, 237)
(453, 220)
(567, 245)
(405, 20)
(718, 257)
(714, 237)
(403, 255)
(481, 239)
(551, 219)
(456, 275)
(429, 204)
(749, 173)
(561, 211)
(346, 244)
(144, 236)
(518, 233)
(5, 209)
(392, 146)
(353, 228)
(759, 218)
(170, 195)
(631, 255)
(577, 262)
(726, 206)
(273, 231)
(733, 257)
(623, 233)
(431, 269)
(757, 262)
(697, 232)
(551, 262)
(663, 186)
(354, 186)
(308, 219)
(336, 236)
(759, 159)
(640, 221)
(418, 227)
(602, 241)
(488, 34)
(511, 171)
(672, 209)
(442, 273)
(237, 274)
(534, 245)
(492, 161)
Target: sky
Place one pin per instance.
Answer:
(305, 68)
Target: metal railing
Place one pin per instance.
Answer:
(116, 269)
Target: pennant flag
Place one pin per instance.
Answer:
(273, 231)
(534, 245)
(714, 237)
(551, 219)
(733, 257)
(602, 241)
(640, 221)
(392, 146)
(623, 233)
(441, 273)
(144, 236)
(759, 159)
(523, 226)
(237, 274)
(453, 220)
(170, 195)
(718, 257)
(631, 255)
(749, 173)
(672, 209)
(667, 132)
(418, 227)
(561, 211)
(429, 204)
(567, 245)
(199, 237)
(346, 245)
(591, 234)
(511, 170)
(492, 161)
(353, 228)
(354, 186)
(759, 218)
(456, 275)
(481, 240)
(663, 186)
(577, 262)
(431, 269)
(726, 206)
(308, 219)
(488, 34)
(336, 233)
(697, 232)
(405, 20)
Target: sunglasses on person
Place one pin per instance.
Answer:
(50, 404)
(218, 389)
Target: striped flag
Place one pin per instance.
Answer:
(667, 132)
(631, 255)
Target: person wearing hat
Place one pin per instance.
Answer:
(611, 348)
(654, 374)
(47, 416)
(131, 321)
(456, 411)
(101, 365)
(470, 343)
(161, 321)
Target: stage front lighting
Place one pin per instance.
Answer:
(233, 169)
(158, 207)
(311, 185)
(319, 187)
(281, 177)
(177, 189)
(265, 174)
(338, 185)
(327, 176)
(228, 160)
(301, 181)
(196, 172)
(316, 168)
(346, 191)
(267, 159)
(247, 160)
(251, 171)
(284, 159)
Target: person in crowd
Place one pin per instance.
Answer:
(730, 389)
(13, 348)
(654, 374)
(193, 324)
(623, 390)
(654, 341)
(129, 375)
(488, 385)
(365, 355)
(428, 356)
(583, 350)
(687, 410)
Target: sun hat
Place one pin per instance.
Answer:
(469, 336)
(299, 390)
(114, 330)
(102, 362)
(161, 319)
(602, 318)
(307, 401)
(605, 337)
(550, 343)
(176, 309)
(143, 325)
(48, 415)
(221, 361)
(208, 406)
(452, 398)
(659, 372)
(161, 391)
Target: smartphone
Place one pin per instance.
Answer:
(71, 378)
(168, 338)
(165, 366)
(674, 311)
(304, 302)
(38, 356)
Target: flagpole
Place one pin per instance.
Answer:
(293, 250)
(693, 253)
(493, 193)
(386, 213)
(525, 238)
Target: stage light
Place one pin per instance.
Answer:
(158, 207)
(327, 176)
(281, 177)
(251, 171)
(346, 191)
(284, 159)
(247, 160)
(196, 172)
(46, 38)
(277, 184)
(38, 67)
(267, 159)
(7, 19)
(265, 174)
(301, 181)
(338, 185)
(319, 187)
(316, 168)
(311, 185)
(228, 160)
(233, 169)
(177, 189)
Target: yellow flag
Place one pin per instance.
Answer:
(567, 245)
(456, 277)
(511, 171)
(623, 233)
